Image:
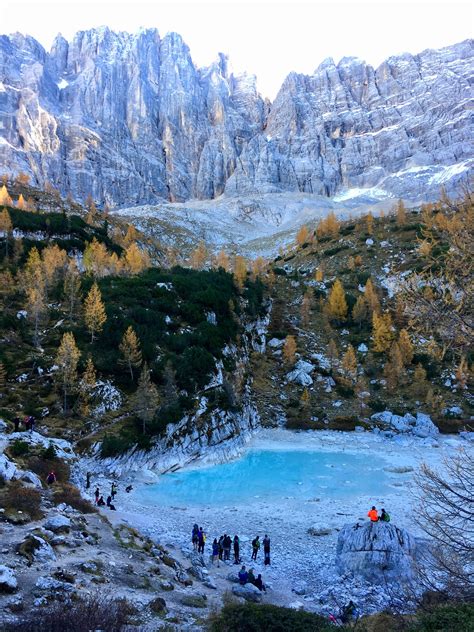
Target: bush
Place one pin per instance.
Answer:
(25, 499)
(70, 495)
(446, 618)
(376, 405)
(265, 618)
(19, 448)
(94, 612)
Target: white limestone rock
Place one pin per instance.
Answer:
(8, 581)
(249, 592)
(377, 551)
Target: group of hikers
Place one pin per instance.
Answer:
(221, 548)
(375, 517)
(28, 422)
(99, 499)
(248, 577)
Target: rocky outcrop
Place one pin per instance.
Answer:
(8, 581)
(249, 592)
(377, 551)
(420, 425)
(130, 119)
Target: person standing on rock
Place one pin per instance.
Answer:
(373, 515)
(236, 550)
(255, 547)
(113, 490)
(215, 553)
(221, 547)
(227, 543)
(202, 540)
(266, 549)
(96, 494)
(195, 537)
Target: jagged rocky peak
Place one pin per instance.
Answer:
(130, 119)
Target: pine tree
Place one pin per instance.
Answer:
(146, 398)
(86, 386)
(289, 350)
(54, 261)
(130, 236)
(169, 379)
(72, 288)
(382, 332)
(30, 205)
(222, 261)
(394, 370)
(199, 256)
(401, 213)
(305, 399)
(349, 364)
(96, 259)
(302, 236)
(130, 350)
(419, 385)
(67, 359)
(94, 311)
(360, 311)
(240, 272)
(258, 268)
(358, 261)
(371, 296)
(462, 371)
(319, 274)
(5, 199)
(336, 307)
(136, 260)
(21, 204)
(36, 308)
(406, 347)
(6, 227)
(369, 218)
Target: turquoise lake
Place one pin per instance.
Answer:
(271, 474)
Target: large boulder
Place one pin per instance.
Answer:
(249, 592)
(8, 582)
(376, 551)
(58, 524)
(420, 426)
(301, 373)
(36, 549)
(8, 469)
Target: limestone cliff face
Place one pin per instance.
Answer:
(131, 119)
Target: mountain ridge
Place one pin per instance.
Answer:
(130, 119)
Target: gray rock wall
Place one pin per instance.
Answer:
(130, 119)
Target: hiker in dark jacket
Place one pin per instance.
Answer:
(266, 549)
(259, 584)
(236, 550)
(227, 544)
(384, 517)
(243, 576)
(16, 424)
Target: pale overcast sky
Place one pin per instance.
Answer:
(265, 38)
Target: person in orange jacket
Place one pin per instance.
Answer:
(373, 515)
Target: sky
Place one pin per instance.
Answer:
(268, 39)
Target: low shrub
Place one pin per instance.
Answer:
(446, 618)
(69, 494)
(251, 617)
(24, 499)
(376, 405)
(19, 448)
(94, 612)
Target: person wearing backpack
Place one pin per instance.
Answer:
(255, 547)
(384, 516)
